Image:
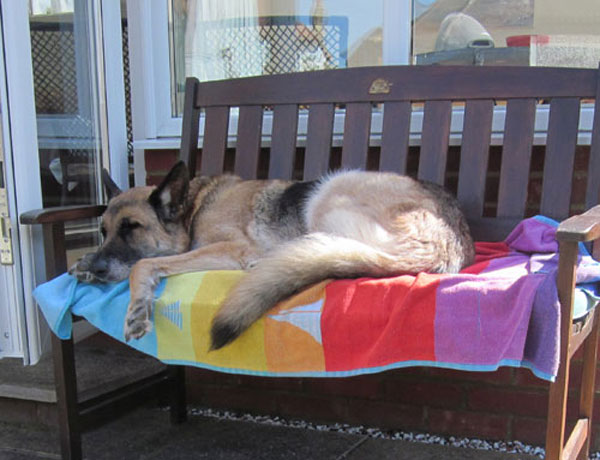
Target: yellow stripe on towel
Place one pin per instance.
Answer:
(287, 339)
(246, 352)
(172, 318)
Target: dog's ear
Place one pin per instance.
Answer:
(110, 187)
(169, 198)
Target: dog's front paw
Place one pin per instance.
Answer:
(137, 320)
(82, 269)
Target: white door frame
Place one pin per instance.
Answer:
(112, 111)
(21, 157)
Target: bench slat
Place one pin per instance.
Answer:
(593, 176)
(395, 136)
(215, 140)
(401, 83)
(434, 141)
(248, 141)
(560, 156)
(516, 157)
(283, 141)
(188, 148)
(474, 155)
(357, 127)
(318, 144)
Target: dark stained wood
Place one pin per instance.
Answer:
(61, 214)
(516, 157)
(560, 155)
(434, 141)
(63, 358)
(407, 83)
(97, 411)
(318, 142)
(248, 141)
(189, 129)
(581, 228)
(557, 403)
(55, 250)
(395, 136)
(177, 392)
(474, 154)
(577, 440)
(357, 128)
(216, 124)
(283, 141)
(588, 381)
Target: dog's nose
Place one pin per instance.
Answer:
(99, 267)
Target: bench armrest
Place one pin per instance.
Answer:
(581, 228)
(61, 214)
(53, 228)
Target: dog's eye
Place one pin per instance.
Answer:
(127, 227)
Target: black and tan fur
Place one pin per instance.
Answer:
(287, 235)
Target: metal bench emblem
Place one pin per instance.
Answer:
(380, 86)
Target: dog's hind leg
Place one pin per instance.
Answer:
(146, 274)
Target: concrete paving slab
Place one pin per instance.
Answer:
(205, 438)
(379, 449)
(16, 455)
(35, 440)
(146, 434)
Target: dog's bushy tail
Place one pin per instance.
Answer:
(299, 264)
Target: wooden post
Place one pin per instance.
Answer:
(177, 394)
(65, 382)
(63, 355)
(557, 406)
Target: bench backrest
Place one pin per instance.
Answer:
(358, 92)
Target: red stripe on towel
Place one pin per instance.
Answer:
(364, 326)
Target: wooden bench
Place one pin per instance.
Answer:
(314, 114)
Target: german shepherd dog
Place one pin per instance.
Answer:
(288, 235)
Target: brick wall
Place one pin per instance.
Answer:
(509, 404)
(158, 163)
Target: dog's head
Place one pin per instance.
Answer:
(139, 223)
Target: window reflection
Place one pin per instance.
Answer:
(507, 32)
(221, 39)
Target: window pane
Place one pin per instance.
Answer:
(67, 101)
(220, 39)
(507, 32)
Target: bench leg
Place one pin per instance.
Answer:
(588, 384)
(557, 411)
(66, 398)
(580, 438)
(177, 396)
(557, 403)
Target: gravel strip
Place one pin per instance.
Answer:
(515, 447)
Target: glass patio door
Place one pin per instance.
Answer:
(59, 46)
(66, 100)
